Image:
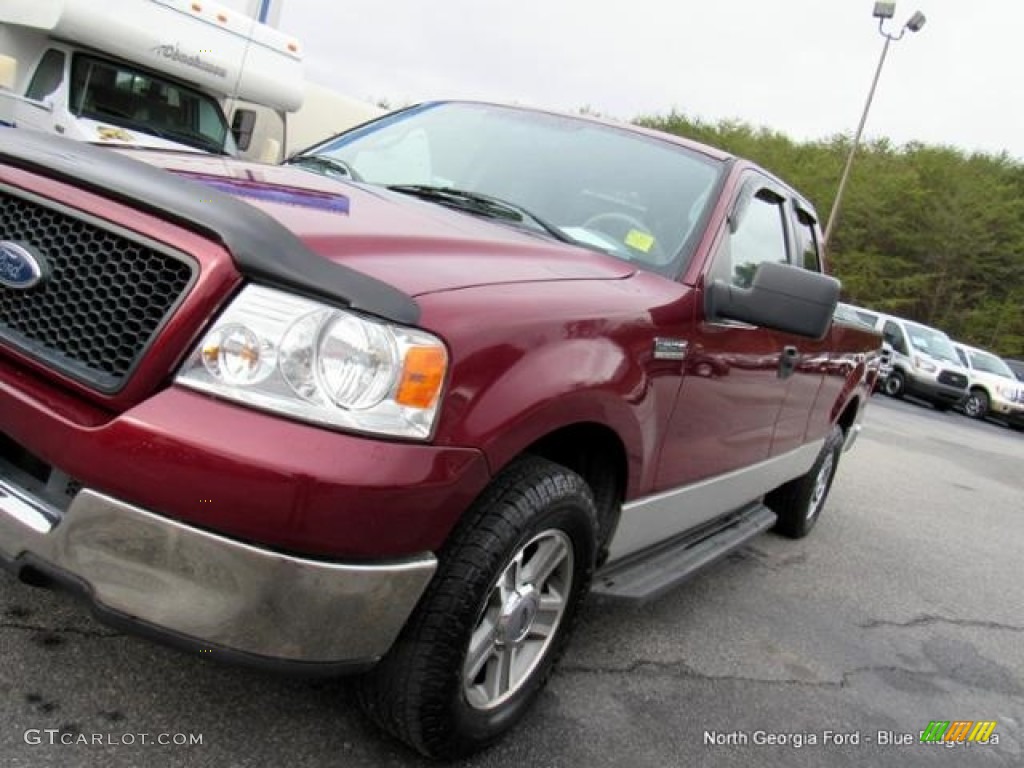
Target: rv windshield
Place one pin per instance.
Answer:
(599, 186)
(130, 98)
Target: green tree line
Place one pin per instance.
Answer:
(931, 233)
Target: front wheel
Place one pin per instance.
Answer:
(977, 404)
(895, 384)
(497, 615)
(799, 502)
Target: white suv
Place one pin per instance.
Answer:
(993, 389)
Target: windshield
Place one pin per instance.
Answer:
(116, 93)
(983, 361)
(933, 343)
(602, 187)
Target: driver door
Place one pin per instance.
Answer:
(732, 392)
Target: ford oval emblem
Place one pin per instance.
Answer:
(21, 267)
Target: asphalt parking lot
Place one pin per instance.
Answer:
(905, 606)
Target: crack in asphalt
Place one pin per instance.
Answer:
(679, 669)
(929, 619)
(683, 670)
(58, 630)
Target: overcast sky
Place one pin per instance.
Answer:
(799, 66)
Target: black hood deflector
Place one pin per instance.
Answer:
(263, 249)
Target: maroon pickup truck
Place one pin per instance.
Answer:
(395, 407)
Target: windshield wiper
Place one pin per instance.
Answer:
(326, 163)
(485, 205)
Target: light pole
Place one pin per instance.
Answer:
(883, 12)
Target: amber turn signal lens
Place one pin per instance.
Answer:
(422, 376)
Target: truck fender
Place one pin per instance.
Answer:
(562, 383)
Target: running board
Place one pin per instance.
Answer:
(649, 574)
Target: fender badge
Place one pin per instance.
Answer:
(670, 349)
(21, 266)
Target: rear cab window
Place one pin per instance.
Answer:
(808, 247)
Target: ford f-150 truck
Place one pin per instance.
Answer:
(394, 408)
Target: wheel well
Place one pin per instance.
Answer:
(978, 388)
(596, 454)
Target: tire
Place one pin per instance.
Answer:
(443, 687)
(977, 404)
(895, 384)
(799, 502)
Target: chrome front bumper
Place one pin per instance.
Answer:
(204, 588)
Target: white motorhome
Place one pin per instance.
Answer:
(153, 73)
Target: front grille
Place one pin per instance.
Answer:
(953, 379)
(107, 295)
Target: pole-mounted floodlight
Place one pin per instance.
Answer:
(885, 10)
(916, 21)
(882, 12)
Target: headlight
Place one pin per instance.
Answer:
(925, 365)
(1007, 391)
(284, 353)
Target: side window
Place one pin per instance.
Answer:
(759, 237)
(48, 76)
(807, 242)
(963, 357)
(892, 334)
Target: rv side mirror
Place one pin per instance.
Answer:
(8, 72)
(243, 123)
(782, 297)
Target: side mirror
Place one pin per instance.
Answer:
(782, 297)
(8, 72)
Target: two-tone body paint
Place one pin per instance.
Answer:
(541, 336)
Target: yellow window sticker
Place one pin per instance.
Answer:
(107, 133)
(641, 241)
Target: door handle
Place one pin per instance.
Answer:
(787, 361)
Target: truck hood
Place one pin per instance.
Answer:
(418, 247)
